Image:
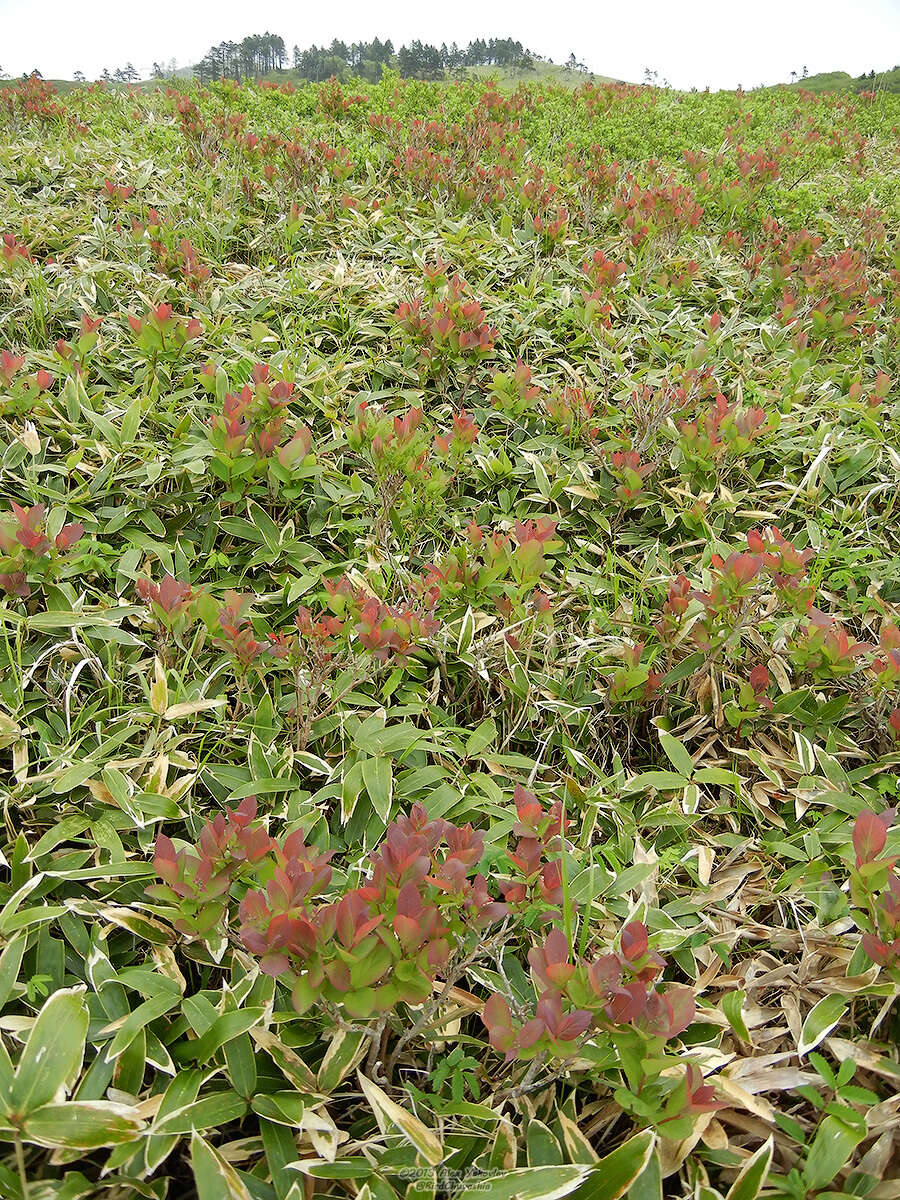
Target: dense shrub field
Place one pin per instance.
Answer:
(450, 607)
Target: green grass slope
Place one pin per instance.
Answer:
(840, 81)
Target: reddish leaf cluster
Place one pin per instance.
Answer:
(334, 101)
(448, 327)
(496, 568)
(11, 249)
(389, 632)
(395, 443)
(879, 391)
(786, 566)
(10, 365)
(170, 600)
(460, 438)
(736, 588)
(824, 649)
(117, 193)
(634, 681)
(182, 262)
(196, 879)
(644, 211)
(723, 428)
(160, 331)
(887, 667)
(375, 946)
(604, 275)
(417, 916)
(32, 99)
(522, 556)
(875, 886)
(513, 391)
(618, 988)
(551, 229)
(628, 472)
(254, 420)
(73, 356)
(536, 855)
(236, 635)
(597, 176)
(26, 547)
(573, 412)
(824, 296)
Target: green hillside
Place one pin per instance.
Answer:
(840, 81)
(541, 72)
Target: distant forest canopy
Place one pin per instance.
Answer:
(266, 53)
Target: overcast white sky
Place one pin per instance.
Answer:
(719, 43)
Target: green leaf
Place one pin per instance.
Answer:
(181, 1092)
(733, 1008)
(379, 780)
(833, 1144)
(287, 1060)
(215, 1178)
(284, 1108)
(224, 1029)
(388, 1113)
(481, 737)
(686, 667)
(10, 963)
(541, 1147)
(613, 1175)
(127, 1030)
(374, 738)
(466, 632)
(677, 754)
(345, 1050)
(130, 422)
(269, 531)
(7, 1074)
(211, 1112)
(265, 722)
(820, 1020)
(281, 1150)
(661, 781)
(52, 1057)
(344, 1168)
(241, 1062)
(26, 918)
(718, 775)
(752, 1174)
(648, 1185)
(63, 831)
(83, 1124)
(577, 1146)
(528, 1183)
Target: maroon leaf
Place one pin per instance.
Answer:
(634, 941)
(869, 837)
